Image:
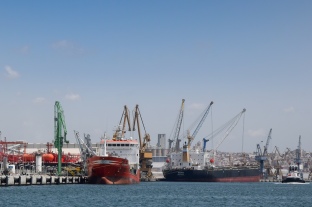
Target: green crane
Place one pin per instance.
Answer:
(59, 133)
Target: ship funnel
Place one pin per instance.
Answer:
(186, 155)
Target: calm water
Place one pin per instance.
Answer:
(159, 194)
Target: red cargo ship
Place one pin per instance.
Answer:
(117, 162)
(111, 170)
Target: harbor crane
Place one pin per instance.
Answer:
(261, 157)
(85, 150)
(60, 133)
(277, 159)
(176, 139)
(190, 138)
(145, 153)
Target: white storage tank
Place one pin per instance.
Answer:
(38, 162)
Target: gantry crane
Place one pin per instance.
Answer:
(60, 133)
(145, 153)
(263, 156)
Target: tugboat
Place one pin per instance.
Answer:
(293, 176)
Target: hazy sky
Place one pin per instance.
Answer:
(97, 56)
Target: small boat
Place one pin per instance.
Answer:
(294, 175)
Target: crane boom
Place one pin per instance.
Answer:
(202, 120)
(126, 118)
(265, 151)
(178, 127)
(136, 119)
(231, 127)
(60, 133)
(191, 138)
(85, 151)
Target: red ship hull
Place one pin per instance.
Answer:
(111, 170)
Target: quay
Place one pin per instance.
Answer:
(279, 180)
(22, 180)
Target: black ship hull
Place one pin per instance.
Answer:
(239, 174)
(293, 180)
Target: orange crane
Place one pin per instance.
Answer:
(125, 116)
(145, 153)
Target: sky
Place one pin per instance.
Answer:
(94, 57)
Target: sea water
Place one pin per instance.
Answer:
(151, 194)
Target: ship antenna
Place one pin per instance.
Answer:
(243, 133)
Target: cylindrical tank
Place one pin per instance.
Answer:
(38, 163)
(166, 152)
(158, 152)
(163, 152)
(28, 157)
(47, 157)
(153, 152)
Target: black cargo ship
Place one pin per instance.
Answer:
(216, 174)
(195, 167)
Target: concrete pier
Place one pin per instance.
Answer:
(22, 180)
